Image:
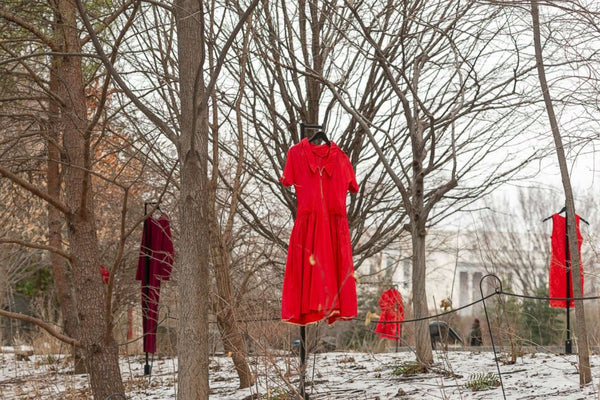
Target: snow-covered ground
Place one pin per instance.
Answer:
(334, 376)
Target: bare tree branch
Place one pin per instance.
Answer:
(42, 324)
(35, 190)
(4, 13)
(37, 246)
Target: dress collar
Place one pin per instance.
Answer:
(313, 164)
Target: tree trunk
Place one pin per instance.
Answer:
(233, 341)
(192, 338)
(418, 217)
(63, 279)
(192, 343)
(98, 346)
(422, 338)
(585, 374)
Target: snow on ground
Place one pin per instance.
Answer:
(334, 375)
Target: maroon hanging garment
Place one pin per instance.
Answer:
(558, 273)
(392, 309)
(155, 263)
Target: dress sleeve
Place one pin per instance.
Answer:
(288, 178)
(352, 184)
(167, 253)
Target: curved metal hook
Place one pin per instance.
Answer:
(497, 289)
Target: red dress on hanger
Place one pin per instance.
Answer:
(319, 274)
(558, 270)
(392, 309)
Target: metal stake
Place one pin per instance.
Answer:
(568, 342)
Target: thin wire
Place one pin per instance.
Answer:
(436, 315)
(524, 296)
(485, 298)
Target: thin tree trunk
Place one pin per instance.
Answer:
(98, 346)
(192, 343)
(63, 280)
(224, 302)
(418, 216)
(585, 374)
(422, 338)
(233, 341)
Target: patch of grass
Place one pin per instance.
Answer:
(408, 368)
(482, 381)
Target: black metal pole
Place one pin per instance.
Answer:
(568, 342)
(303, 328)
(145, 287)
(498, 290)
(303, 127)
(303, 362)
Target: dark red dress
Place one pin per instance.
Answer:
(155, 263)
(558, 270)
(392, 309)
(319, 274)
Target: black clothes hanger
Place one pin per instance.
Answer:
(320, 135)
(152, 203)
(562, 210)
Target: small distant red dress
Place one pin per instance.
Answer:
(392, 309)
(319, 274)
(558, 270)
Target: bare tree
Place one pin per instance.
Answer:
(191, 139)
(449, 77)
(296, 46)
(222, 240)
(156, 37)
(585, 373)
(512, 239)
(60, 267)
(65, 113)
(94, 335)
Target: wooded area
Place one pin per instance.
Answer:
(193, 105)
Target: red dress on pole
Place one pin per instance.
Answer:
(392, 309)
(155, 262)
(558, 270)
(319, 274)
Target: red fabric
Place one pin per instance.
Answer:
(558, 273)
(157, 232)
(156, 258)
(130, 324)
(319, 274)
(392, 309)
(105, 274)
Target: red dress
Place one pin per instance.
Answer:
(558, 272)
(392, 309)
(319, 273)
